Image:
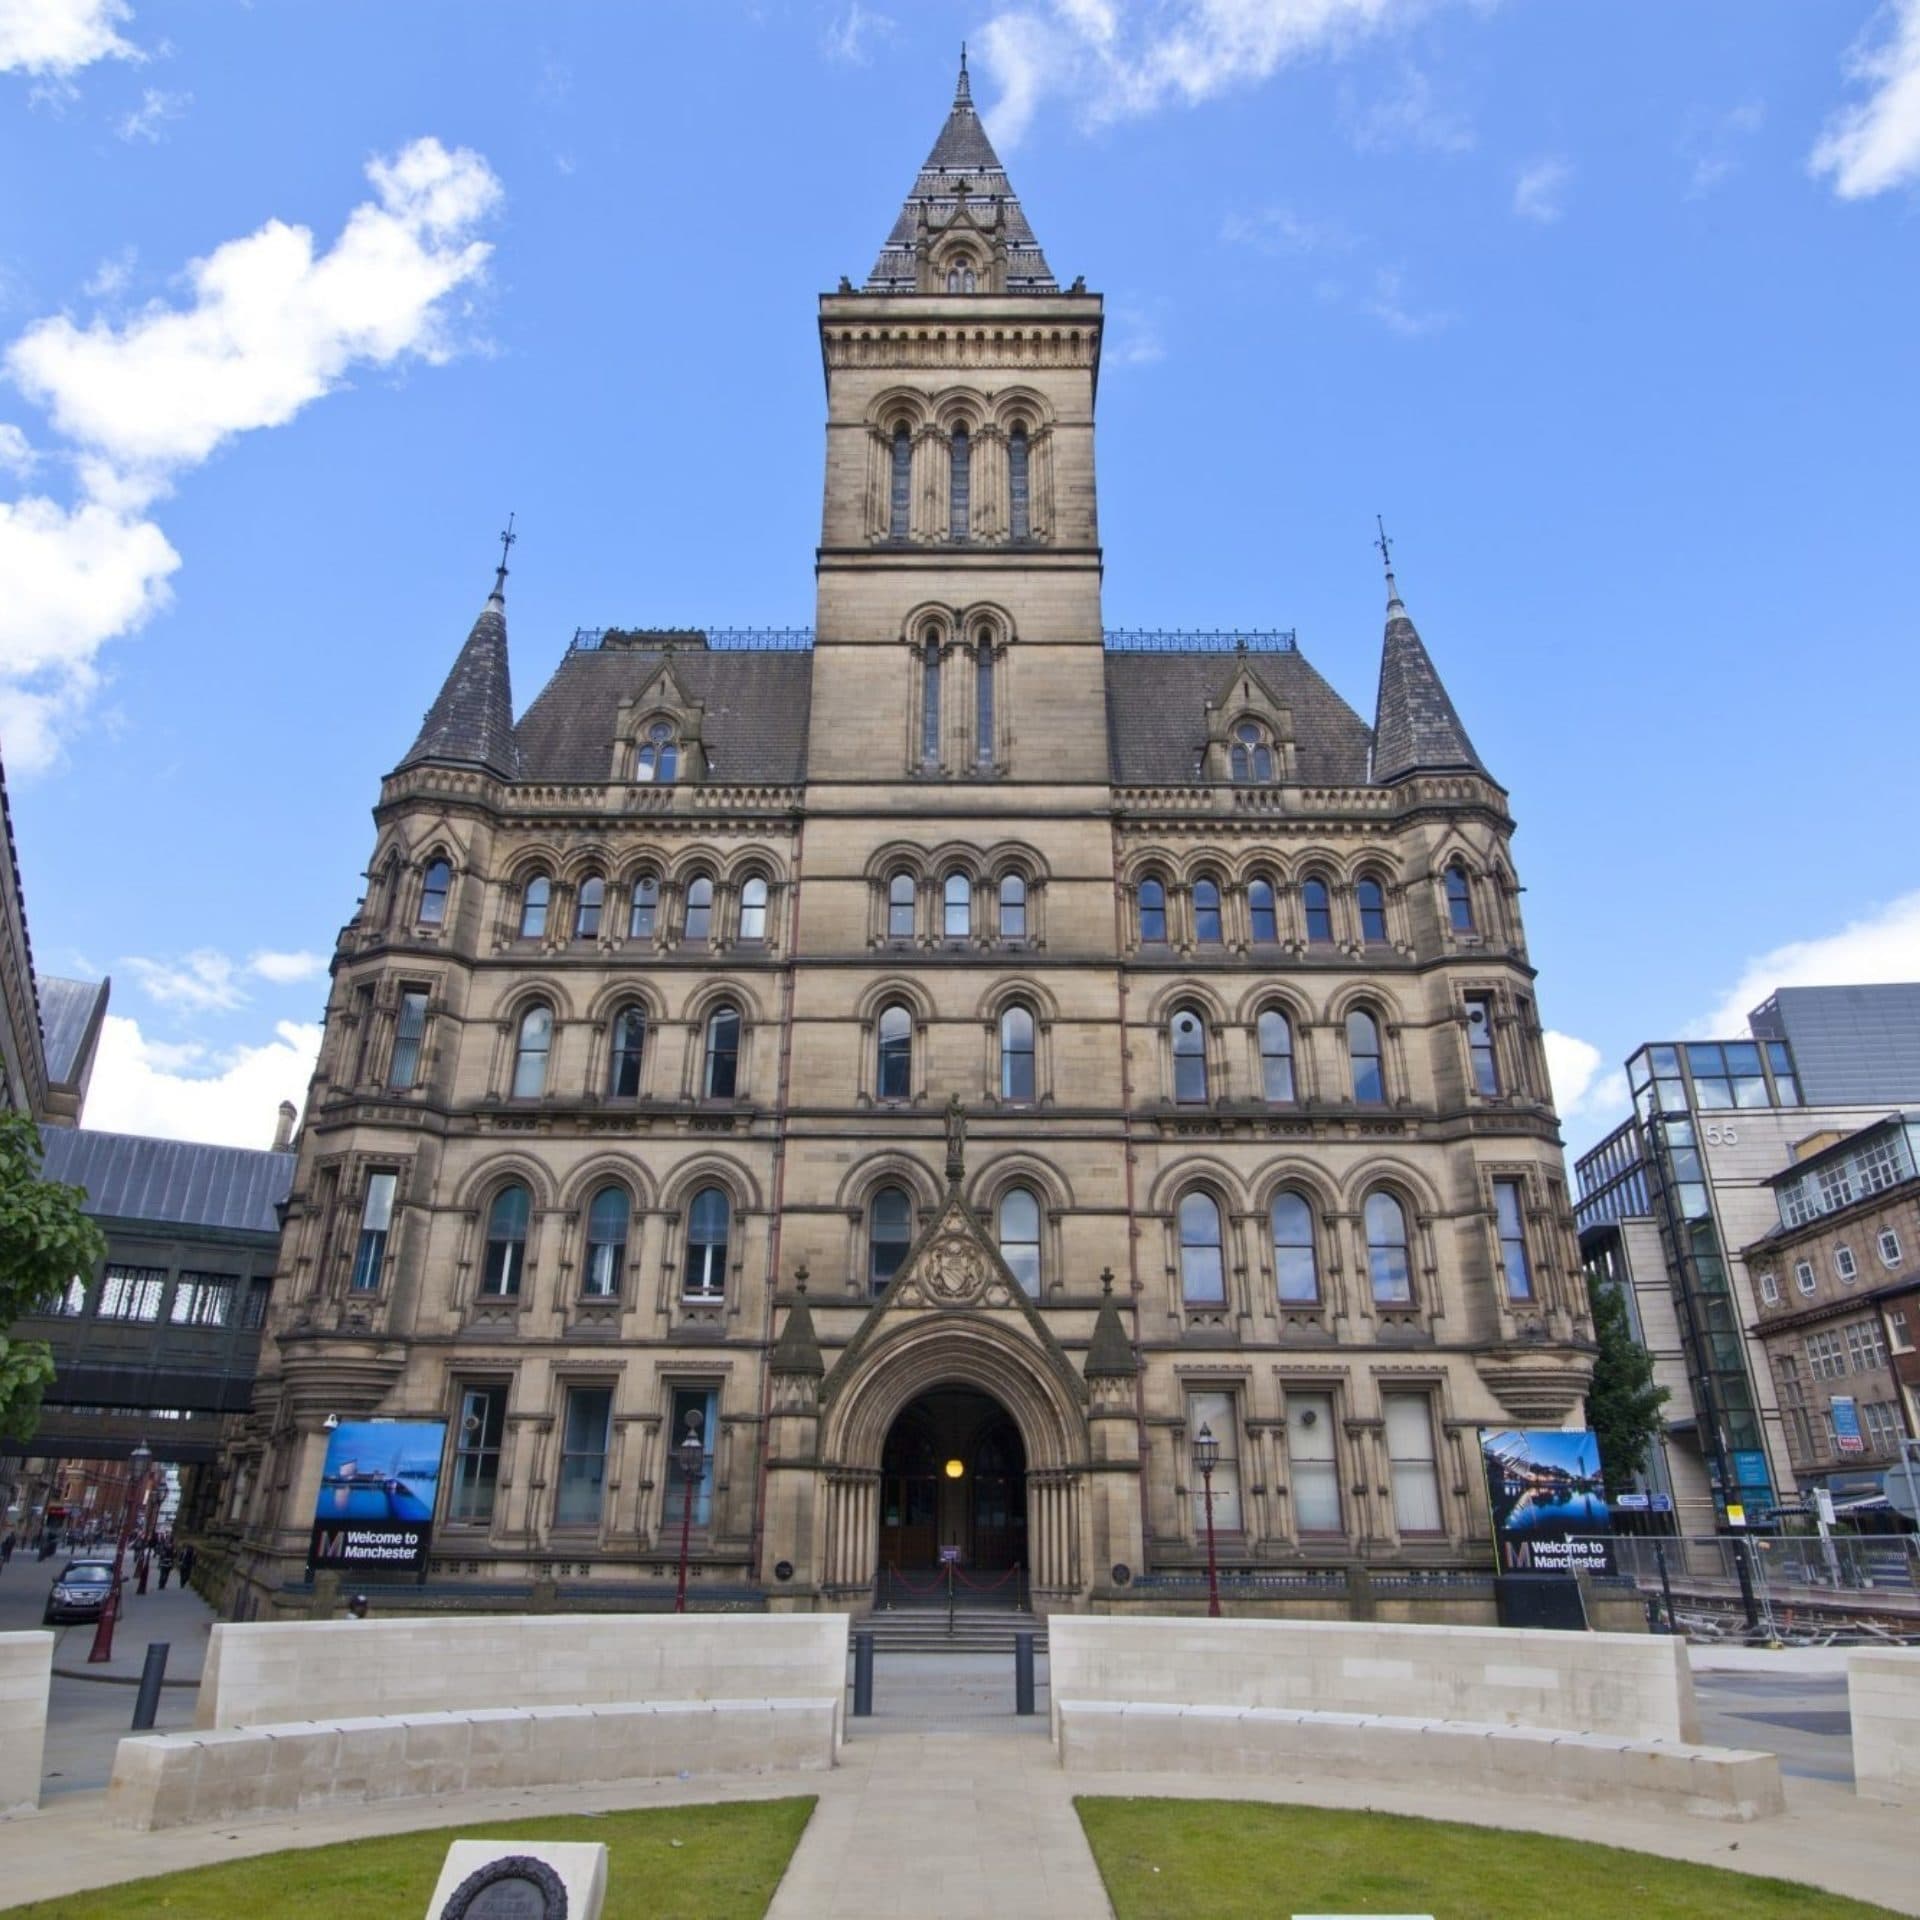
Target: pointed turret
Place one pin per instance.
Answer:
(470, 724)
(1415, 727)
(961, 229)
(797, 1352)
(1110, 1354)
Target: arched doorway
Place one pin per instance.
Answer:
(953, 1477)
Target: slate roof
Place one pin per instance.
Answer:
(1157, 707)
(1416, 729)
(68, 1010)
(470, 724)
(178, 1182)
(962, 157)
(757, 703)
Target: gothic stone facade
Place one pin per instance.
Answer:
(965, 962)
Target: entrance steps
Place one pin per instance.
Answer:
(975, 1630)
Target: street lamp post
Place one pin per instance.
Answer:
(692, 1454)
(1206, 1456)
(138, 1463)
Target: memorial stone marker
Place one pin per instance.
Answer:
(520, 1880)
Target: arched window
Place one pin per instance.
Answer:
(1261, 913)
(506, 1241)
(983, 698)
(1203, 1278)
(534, 898)
(629, 1045)
(1153, 913)
(435, 884)
(530, 1053)
(961, 487)
(930, 702)
(1296, 1266)
(699, 919)
(1019, 491)
(1020, 1237)
(900, 900)
(606, 1244)
(1206, 913)
(706, 1267)
(900, 483)
(957, 913)
(588, 907)
(1318, 908)
(646, 907)
(1363, 1053)
(1276, 1055)
(722, 1077)
(753, 909)
(1371, 898)
(1459, 899)
(894, 1078)
(1387, 1263)
(1013, 907)
(1252, 758)
(889, 1235)
(1189, 1058)
(1016, 1054)
(659, 754)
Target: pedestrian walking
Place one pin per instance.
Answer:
(166, 1563)
(186, 1564)
(7, 1544)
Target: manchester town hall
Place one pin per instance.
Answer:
(940, 1062)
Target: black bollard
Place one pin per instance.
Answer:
(1749, 1605)
(146, 1703)
(1023, 1673)
(1666, 1585)
(863, 1676)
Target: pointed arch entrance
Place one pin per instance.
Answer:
(953, 1479)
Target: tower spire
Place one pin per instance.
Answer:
(1416, 727)
(470, 723)
(963, 88)
(1386, 555)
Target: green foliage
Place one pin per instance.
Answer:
(1236, 1860)
(667, 1863)
(45, 1240)
(1623, 1404)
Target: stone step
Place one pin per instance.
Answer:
(917, 1631)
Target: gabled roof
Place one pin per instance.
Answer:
(470, 724)
(755, 704)
(1415, 727)
(962, 163)
(1157, 717)
(180, 1182)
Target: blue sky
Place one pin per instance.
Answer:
(1609, 308)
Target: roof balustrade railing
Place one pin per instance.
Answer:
(801, 639)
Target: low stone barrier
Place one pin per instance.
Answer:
(1106, 1736)
(1883, 1698)
(184, 1779)
(273, 1671)
(1633, 1686)
(26, 1680)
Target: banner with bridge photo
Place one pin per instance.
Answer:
(1550, 1512)
(377, 1493)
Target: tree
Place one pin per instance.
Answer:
(1623, 1404)
(45, 1241)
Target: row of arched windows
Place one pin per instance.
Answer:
(960, 906)
(591, 903)
(1314, 902)
(959, 482)
(1296, 1240)
(1187, 1043)
(719, 1074)
(609, 1219)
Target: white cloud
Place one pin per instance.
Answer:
(1540, 192)
(1118, 58)
(1712, 142)
(287, 969)
(1874, 144)
(112, 276)
(145, 1086)
(851, 35)
(1387, 303)
(147, 120)
(272, 326)
(1883, 945)
(1580, 1089)
(1406, 117)
(1279, 230)
(1133, 335)
(16, 450)
(56, 38)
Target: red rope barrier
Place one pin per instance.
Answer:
(987, 1586)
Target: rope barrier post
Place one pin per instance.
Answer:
(1023, 1673)
(949, 1599)
(863, 1674)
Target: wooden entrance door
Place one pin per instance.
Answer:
(909, 1499)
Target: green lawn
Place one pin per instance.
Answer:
(667, 1863)
(1245, 1860)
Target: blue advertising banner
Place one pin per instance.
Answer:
(1847, 1436)
(377, 1493)
(1550, 1512)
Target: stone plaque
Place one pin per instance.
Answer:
(520, 1880)
(514, 1887)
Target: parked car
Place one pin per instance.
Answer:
(79, 1592)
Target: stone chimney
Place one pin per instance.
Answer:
(283, 1131)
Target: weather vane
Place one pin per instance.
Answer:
(507, 538)
(1383, 543)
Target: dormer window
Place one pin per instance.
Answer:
(658, 757)
(1252, 755)
(959, 279)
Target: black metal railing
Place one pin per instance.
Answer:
(1200, 639)
(801, 639)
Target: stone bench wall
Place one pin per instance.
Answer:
(1721, 1783)
(1883, 1695)
(26, 1681)
(273, 1672)
(1633, 1686)
(182, 1779)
